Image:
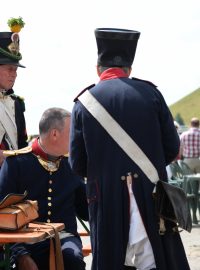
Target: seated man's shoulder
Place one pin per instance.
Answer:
(25, 150)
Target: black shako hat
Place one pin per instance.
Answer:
(9, 49)
(116, 47)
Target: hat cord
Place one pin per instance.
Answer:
(17, 57)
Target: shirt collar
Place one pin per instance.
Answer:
(38, 151)
(113, 73)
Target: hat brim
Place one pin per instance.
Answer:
(10, 62)
(18, 65)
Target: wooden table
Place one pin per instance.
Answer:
(32, 234)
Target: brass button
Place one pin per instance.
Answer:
(49, 204)
(49, 198)
(50, 173)
(49, 213)
(135, 175)
(123, 177)
(50, 190)
(50, 182)
(48, 220)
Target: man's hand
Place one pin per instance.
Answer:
(25, 262)
(2, 157)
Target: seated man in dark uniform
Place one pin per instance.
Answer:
(42, 170)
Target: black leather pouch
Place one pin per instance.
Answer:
(172, 205)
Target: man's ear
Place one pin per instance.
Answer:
(54, 134)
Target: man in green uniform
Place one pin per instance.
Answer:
(12, 122)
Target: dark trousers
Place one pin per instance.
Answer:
(71, 250)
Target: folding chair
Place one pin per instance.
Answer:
(86, 247)
(191, 186)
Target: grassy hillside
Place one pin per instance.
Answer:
(187, 107)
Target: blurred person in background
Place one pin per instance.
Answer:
(190, 146)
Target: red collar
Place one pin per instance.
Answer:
(37, 150)
(113, 73)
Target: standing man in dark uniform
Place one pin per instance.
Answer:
(124, 225)
(12, 122)
(42, 169)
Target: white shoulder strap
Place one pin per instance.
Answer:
(9, 126)
(119, 135)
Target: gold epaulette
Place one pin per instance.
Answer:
(25, 150)
(66, 155)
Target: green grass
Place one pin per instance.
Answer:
(187, 107)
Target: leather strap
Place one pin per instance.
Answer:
(58, 251)
(52, 258)
(23, 206)
(55, 252)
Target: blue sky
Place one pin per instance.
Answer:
(59, 48)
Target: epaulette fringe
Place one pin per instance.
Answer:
(25, 150)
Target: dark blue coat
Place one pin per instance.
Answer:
(67, 191)
(20, 121)
(141, 110)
